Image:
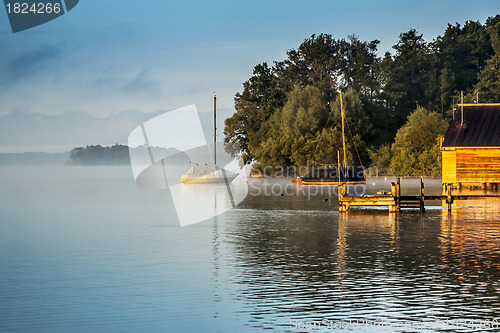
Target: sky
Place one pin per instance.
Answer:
(107, 56)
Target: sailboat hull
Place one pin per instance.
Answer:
(206, 180)
(330, 177)
(207, 174)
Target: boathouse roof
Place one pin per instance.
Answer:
(480, 127)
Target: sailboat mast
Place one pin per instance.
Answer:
(215, 130)
(343, 135)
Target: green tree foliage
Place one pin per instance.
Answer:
(261, 96)
(292, 130)
(359, 65)
(307, 130)
(358, 127)
(460, 54)
(315, 62)
(406, 75)
(488, 87)
(416, 148)
(289, 113)
(320, 61)
(493, 28)
(381, 158)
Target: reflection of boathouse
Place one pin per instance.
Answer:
(471, 147)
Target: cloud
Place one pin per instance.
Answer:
(28, 64)
(142, 83)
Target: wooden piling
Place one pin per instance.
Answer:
(449, 198)
(421, 198)
(398, 194)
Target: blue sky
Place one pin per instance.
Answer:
(106, 56)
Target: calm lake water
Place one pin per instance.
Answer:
(83, 249)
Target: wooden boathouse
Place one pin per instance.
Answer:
(471, 147)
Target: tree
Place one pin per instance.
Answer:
(358, 65)
(415, 151)
(358, 127)
(319, 61)
(98, 155)
(381, 158)
(291, 132)
(488, 86)
(493, 28)
(406, 75)
(316, 62)
(289, 113)
(462, 53)
(260, 98)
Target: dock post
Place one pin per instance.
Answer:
(449, 198)
(421, 199)
(398, 195)
(392, 207)
(343, 206)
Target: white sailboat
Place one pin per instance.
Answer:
(209, 173)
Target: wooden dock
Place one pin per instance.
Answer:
(395, 200)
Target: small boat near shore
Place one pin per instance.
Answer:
(325, 176)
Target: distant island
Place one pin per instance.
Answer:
(90, 155)
(116, 155)
(99, 155)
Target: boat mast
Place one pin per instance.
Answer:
(343, 135)
(338, 167)
(215, 130)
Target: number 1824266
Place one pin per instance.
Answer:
(35, 8)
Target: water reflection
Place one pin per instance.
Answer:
(470, 253)
(312, 264)
(89, 250)
(342, 246)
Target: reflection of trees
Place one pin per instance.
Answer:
(362, 265)
(305, 262)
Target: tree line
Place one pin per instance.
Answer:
(120, 155)
(99, 155)
(396, 106)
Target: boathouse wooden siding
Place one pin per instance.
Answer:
(471, 147)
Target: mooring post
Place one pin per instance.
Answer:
(422, 203)
(341, 194)
(449, 197)
(398, 194)
(392, 207)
